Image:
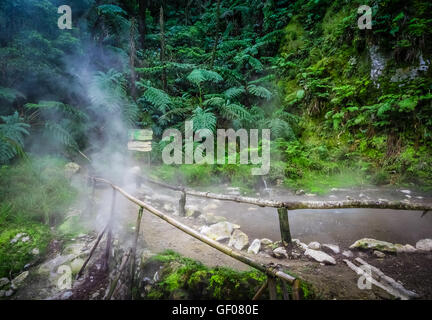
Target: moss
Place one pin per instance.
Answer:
(14, 256)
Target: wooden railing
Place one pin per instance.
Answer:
(273, 272)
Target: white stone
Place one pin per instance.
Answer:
(378, 254)
(238, 240)
(405, 249)
(76, 265)
(3, 282)
(348, 254)
(8, 293)
(255, 246)
(332, 247)
(280, 253)
(320, 256)
(314, 245)
(300, 244)
(71, 168)
(424, 244)
(218, 231)
(25, 239)
(406, 191)
(266, 242)
(210, 218)
(18, 281)
(35, 251)
(2, 293)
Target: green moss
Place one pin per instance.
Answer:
(14, 256)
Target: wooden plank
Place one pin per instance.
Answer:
(272, 288)
(141, 146)
(140, 134)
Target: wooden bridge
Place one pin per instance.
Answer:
(273, 273)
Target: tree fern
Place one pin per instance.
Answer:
(198, 76)
(259, 91)
(204, 119)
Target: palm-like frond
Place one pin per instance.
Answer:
(259, 91)
(203, 119)
(12, 132)
(198, 76)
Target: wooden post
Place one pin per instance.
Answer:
(115, 282)
(285, 290)
(109, 236)
(182, 203)
(260, 290)
(134, 246)
(272, 288)
(296, 290)
(284, 226)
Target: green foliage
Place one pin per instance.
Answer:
(12, 132)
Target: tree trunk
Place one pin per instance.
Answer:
(142, 23)
(132, 57)
(217, 35)
(162, 44)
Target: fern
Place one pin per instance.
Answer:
(259, 91)
(198, 76)
(12, 133)
(204, 119)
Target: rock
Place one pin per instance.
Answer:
(348, 254)
(405, 249)
(17, 237)
(51, 265)
(35, 251)
(25, 239)
(300, 244)
(280, 253)
(334, 248)
(310, 195)
(19, 280)
(66, 295)
(192, 212)
(367, 243)
(424, 244)
(70, 169)
(218, 231)
(76, 265)
(332, 196)
(378, 254)
(9, 293)
(2, 293)
(168, 207)
(314, 245)
(300, 192)
(266, 242)
(210, 206)
(320, 256)
(4, 282)
(75, 249)
(239, 240)
(210, 218)
(255, 246)
(406, 191)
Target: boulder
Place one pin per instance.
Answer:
(210, 218)
(280, 253)
(218, 231)
(367, 243)
(239, 240)
(425, 245)
(2, 293)
(314, 245)
(192, 211)
(255, 246)
(320, 256)
(35, 251)
(332, 247)
(300, 192)
(70, 169)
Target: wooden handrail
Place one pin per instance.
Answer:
(296, 204)
(271, 271)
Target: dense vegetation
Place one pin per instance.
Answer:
(301, 68)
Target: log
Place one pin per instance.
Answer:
(392, 291)
(390, 281)
(218, 246)
(285, 291)
(296, 289)
(272, 288)
(98, 239)
(134, 246)
(109, 236)
(260, 291)
(295, 205)
(117, 278)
